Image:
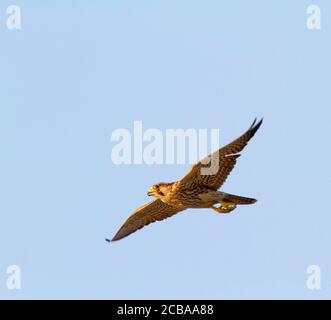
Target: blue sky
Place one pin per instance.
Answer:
(77, 71)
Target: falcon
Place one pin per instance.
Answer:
(198, 189)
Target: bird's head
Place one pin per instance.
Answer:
(160, 190)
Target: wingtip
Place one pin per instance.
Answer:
(111, 240)
(259, 123)
(255, 126)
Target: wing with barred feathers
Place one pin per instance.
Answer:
(224, 161)
(152, 212)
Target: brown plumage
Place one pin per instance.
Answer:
(198, 189)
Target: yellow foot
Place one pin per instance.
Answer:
(224, 208)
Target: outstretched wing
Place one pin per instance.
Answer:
(225, 159)
(152, 212)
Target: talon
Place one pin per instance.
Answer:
(224, 208)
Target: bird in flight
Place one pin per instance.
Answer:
(198, 189)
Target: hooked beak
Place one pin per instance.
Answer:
(150, 192)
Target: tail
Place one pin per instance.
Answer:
(238, 200)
